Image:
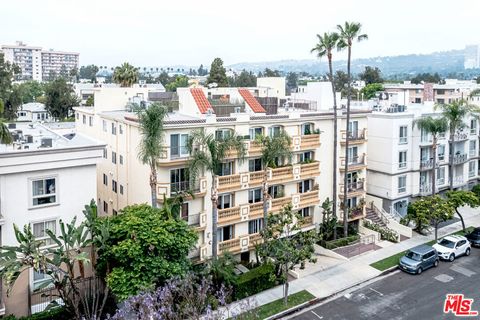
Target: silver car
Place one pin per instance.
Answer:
(418, 259)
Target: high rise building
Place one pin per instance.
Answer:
(472, 57)
(38, 64)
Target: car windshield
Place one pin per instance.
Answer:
(447, 243)
(414, 256)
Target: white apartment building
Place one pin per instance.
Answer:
(401, 161)
(38, 64)
(44, 177)
(305, 182)
(33, 112)
(472, 57)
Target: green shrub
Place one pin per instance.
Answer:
(339, 242)
(57, 313)
(385, 233)
(256, 280)
(476, 190)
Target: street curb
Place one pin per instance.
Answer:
(315, 301)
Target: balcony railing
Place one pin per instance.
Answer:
(255, 238)
(460, 136)
(354, 136)
(282, 174)
(278, 203)
(193, 219)
(225, 182)
(309, 198)
(256, 177)
(231, 245)
(309, 169)
(183, 186)
(425, 189)
(229, 214)
(460, 158)
(310, 141)
(306, 221)
(353, 187)
(458, 181)
(426, 164)
(353, 161)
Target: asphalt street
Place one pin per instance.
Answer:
(405, 296)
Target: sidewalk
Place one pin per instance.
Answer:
(357, 270)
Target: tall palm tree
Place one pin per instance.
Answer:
(274, 149)
(208, 154)
(324, 47)
(454, 113)
(348, 33)
(150, 147)
(433, 126)
(126, 75)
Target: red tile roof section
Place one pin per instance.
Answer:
(201, 100)
(251, 101)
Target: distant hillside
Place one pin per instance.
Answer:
(442, 62)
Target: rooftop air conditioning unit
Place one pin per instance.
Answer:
(46, 143)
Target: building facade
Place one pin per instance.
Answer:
(305, 181)
(38, 64)
(44, 177)
(401, 157)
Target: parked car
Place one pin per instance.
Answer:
(451, 247)
(418, 259)
(474, 237)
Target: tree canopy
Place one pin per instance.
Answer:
(371, 75)
(125, 75)
(179, 81)
(428, 78)
(217, 73)
(371, 89)
(88, 72)
(244, 79)
(60, 98)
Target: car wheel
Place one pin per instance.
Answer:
(419, 270)
(467, 252)
(435, 264)
(451, 258)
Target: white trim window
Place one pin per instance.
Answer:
(104, 125)
(402, 135)
(255, 132)
(471, 169)
(274, 131)
(402, 159)
(255, 226)
(178, 145)
(40, 231)
(472, 151)
(44, 191)
(473, 126)
(40, 280)
(402, 184)
(441, 176)
(441, 152)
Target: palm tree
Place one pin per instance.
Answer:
(324, 47)
(454, 113)
(348, 33)
(274, 149)
(208, 154)
(126, 75)
(433, 126)
(150, 147)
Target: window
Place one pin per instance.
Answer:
(121, 159)
(352, 155)
(90, 121)
(418, 100)
(255, 195)
(353, 129)
(184, 211)
(255, 165)
(305, 212)
(105, 156)
(254, 132)
(114, 186)
(121, 189)
(307, 128)
(255, 226)
(305, 156)
(473, 126)
(226, 168)
(44, 191)
(402, 184)
(276, 191)
(424, 136)
(179, 180)
(40, 231)
(441, 101)
(40, 279)
(471, 169)
(352, 202)
(114, 212)
(225, 201)
(114, 157)
(402, 135)
(120, 128)
(104, 125)
(222, 134)
(114, 129)
(225, 233)
(440, 176)
(305, 186)
(105, 179)
(441, 91)
(274, 131)
(441, 152)
(402, 159)
(178, 145)
(105, 207)
(84, 119)
(472, 148)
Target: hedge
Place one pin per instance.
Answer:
(256, 280)
(56, 313)
(333, 244)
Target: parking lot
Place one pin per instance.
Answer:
(405, 296)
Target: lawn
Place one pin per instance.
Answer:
(392, 261)
(277, 306)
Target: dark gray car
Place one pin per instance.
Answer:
(418, 259)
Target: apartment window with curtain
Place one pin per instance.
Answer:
(255, 165)
(255, 226)
(473, 126)
(305, 186)
(255, 195)
(226, 168)
(178, 145)
(402, 159)
(403, 135)
(40, 231)
(225, 201)
(226, 233)
(44, 191)
(424, 136)
(277, 191)
(402, 184)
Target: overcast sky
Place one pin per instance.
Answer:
(162, 33)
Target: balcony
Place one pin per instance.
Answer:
(458, 181)
(355, 213)
(197, 220)
(354, 163)
(460, 136)
(226, 216)
(278, 203)
(426, 164)
(425, 189)
(255, 238)
(354, 137)
(282, 174)
(198, 188)
(460, 158)
(309, 198)
(353, 189)
(309, 141)
(232, 245)
(306, 222)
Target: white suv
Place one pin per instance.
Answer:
(451, 247)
